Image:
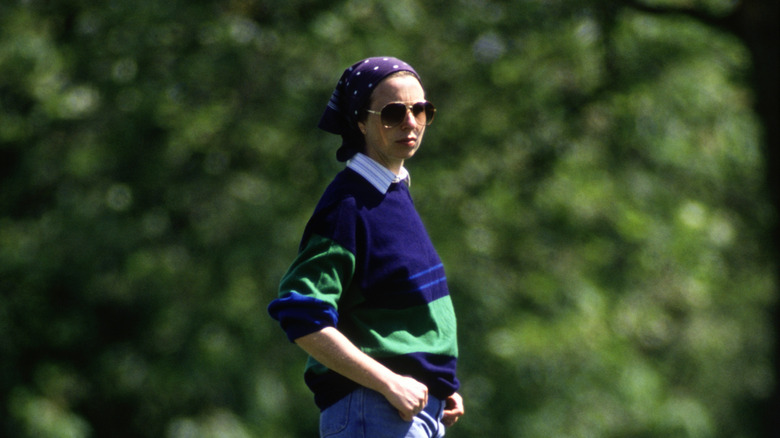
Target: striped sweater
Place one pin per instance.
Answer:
(367, 266)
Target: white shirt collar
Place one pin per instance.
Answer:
(378, 175)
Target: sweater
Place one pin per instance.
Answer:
(367, 267)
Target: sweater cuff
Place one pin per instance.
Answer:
(300, 315)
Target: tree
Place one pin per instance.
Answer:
(754, 23)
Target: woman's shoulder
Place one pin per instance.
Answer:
(351, 191)
(337, 213)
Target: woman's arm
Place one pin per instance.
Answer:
(332, 349)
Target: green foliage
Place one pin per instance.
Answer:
(593, 182)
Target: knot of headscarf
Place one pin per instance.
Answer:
(351, 95)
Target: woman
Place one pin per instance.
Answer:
(367, 297)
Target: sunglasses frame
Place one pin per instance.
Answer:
(425, 104)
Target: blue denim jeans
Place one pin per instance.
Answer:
(367, 414)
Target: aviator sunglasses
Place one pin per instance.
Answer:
(393, 114)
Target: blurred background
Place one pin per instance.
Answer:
(599, 182)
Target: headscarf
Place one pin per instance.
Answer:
(351, 95)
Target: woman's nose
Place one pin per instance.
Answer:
(409, 121)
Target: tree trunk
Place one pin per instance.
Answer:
(756, 23)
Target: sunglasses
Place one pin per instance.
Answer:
(393, 114)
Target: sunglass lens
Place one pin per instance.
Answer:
(393, 114)
(424, 112)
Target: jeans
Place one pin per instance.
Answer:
(367, 414)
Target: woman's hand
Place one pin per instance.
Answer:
(453, 409)
(332, 349)
(408, 396)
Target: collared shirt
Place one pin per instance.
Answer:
(378, 175)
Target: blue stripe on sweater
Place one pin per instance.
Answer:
(427, 285)
(420, 274)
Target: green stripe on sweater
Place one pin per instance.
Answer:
(388, 332)
(320, 270)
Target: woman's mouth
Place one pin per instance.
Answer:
(408, 141)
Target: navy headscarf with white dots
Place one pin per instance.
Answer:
(351, 96)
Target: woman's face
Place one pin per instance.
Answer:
(391, 146)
